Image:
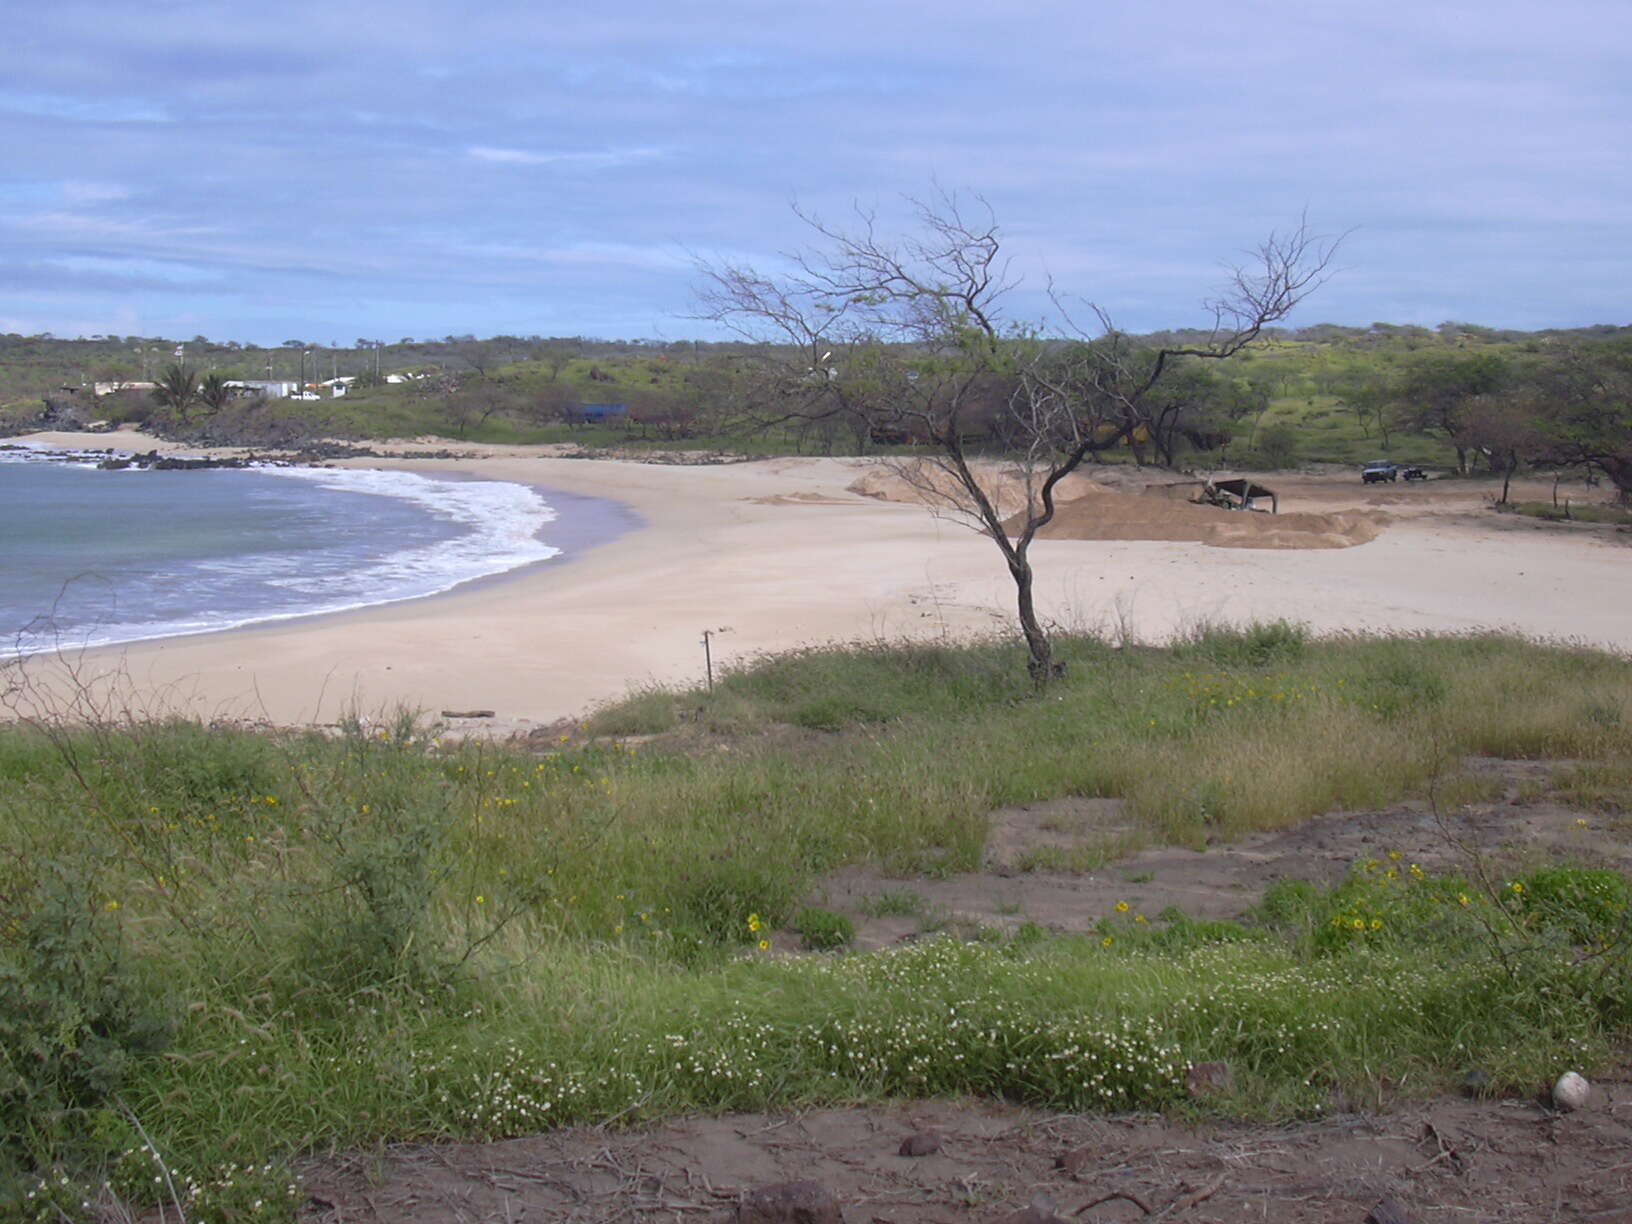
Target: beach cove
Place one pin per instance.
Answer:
(774, 554)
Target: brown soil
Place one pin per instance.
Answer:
(1159, 516)
(1065, 864)
(1450, 1159)
(1318, 510)
(1115, 504)
(1462, 1160)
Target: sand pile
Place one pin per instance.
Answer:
(1086, 509)
(927, 484)
(1130, 516)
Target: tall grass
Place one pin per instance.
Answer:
(229, 947)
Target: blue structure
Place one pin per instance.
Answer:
(601, 414)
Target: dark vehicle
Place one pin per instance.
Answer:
(1413, 473)
(1376, 473)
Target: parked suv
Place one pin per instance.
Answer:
(1376, 473)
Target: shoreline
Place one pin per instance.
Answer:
(575, 524)
(780, 553)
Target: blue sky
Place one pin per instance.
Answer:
(326, 172)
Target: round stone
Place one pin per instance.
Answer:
(1571, 1091)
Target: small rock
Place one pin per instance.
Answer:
(1571, 1092)
(1388, 1211)
(800, 1202)
(924, 1143)
(1476, 1083)
(1077, 1159)
(1208, 1079)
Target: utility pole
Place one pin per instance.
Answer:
(708, 653)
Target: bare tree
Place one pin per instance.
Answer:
(907, 334)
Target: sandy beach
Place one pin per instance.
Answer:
(780, 553)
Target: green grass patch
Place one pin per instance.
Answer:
(229, 948)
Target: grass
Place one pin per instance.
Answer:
(244, 946)
(1588, 512)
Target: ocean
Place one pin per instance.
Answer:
(90, 557)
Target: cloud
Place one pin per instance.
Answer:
(603, 159)
(83, 193)
(93, 110)
(410, 166)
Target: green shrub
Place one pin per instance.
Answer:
(1267, 644)
(715, 899)
(1589, 904)
(75, 1014)
(822, 930)
(1183, 933)
(1288, 905)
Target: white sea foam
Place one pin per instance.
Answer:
(501, 523)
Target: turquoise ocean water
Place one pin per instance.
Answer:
(91, 557)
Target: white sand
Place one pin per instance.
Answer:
(779, 553)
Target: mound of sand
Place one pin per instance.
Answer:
(926, 484)
(1087, 509)
(1128, 516)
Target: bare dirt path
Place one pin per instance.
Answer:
(1463, 1160)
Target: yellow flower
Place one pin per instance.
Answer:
(1376, 924)
(1395, 855)
(1140, 918)
(112, 905)
(1121, 907)
(1106, 942)
(1517, 888)
(480, 900)
(1359, 924)
(764, 945)
(1462, 898)
(1581, 823)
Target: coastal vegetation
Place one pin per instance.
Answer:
(1459, 397)
(221, 949)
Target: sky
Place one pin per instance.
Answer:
(336, 172)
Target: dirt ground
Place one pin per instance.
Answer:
(1519, 823)
(1463, 1160)
(1457, 1159)
(1332, 509)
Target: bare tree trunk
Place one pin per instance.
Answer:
(1041, 665)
